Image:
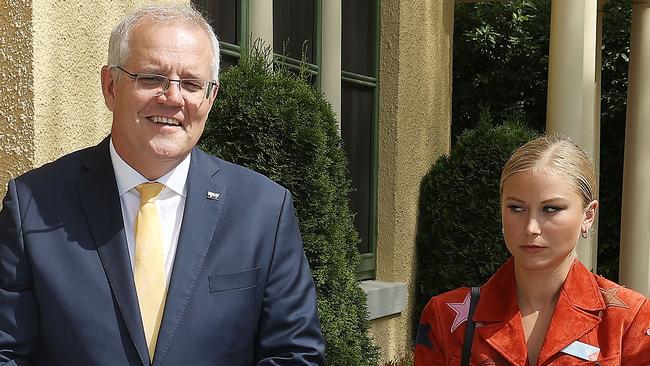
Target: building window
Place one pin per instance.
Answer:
(297, 31)
(359, 102)
(296, 35)
(229, 18)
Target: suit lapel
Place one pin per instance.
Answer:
(98, 194)
(203, 206)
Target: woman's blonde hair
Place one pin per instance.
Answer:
(557, 155)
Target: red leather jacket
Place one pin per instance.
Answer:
(591, 311)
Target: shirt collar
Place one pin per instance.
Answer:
(128, 178)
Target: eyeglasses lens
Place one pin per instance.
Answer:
(191, 89)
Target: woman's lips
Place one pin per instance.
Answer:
(532, 248)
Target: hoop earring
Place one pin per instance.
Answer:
(584, 234)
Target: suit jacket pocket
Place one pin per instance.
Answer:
(233, 281)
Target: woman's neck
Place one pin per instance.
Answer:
(539, 290)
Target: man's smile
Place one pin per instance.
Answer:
(164, 120)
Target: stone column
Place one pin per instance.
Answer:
(414, 118)
(331, 55)
(572, 86)
(592, 244)
(635, 217)
(260, 20)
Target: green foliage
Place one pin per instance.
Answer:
(275, 123)
(500, 61)
(459, 239)
(615, 63)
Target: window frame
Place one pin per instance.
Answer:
(367, 267)
(243, 31)
(296, 64)
(368, 261)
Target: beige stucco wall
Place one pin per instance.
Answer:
(414, 119)
(70, 40)
(16, 86)
(51, 57)
(70, 43)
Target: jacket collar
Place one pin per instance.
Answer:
(499, 318)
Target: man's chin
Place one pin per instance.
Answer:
(169, 151)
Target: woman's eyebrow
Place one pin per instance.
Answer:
(557, 198)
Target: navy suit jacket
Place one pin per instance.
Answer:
(241, 292)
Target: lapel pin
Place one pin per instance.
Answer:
(212, 196)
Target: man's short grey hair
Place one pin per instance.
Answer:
(118, 44)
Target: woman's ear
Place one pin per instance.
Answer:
(590, 215)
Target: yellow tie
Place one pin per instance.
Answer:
(150, 282)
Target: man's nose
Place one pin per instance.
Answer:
(172, 93)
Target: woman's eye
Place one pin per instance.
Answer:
(551, 209)
(515, 208)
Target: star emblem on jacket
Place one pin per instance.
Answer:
(462, 311)
(609, 295)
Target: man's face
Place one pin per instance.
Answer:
(153, 134)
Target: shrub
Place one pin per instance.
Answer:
(459, 239)
(275, 123)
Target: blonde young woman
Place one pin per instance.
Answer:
(542, 307)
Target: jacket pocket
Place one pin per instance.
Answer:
(233, 281)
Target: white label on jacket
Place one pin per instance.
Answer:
(583, 351)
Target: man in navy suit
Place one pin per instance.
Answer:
(208, 270)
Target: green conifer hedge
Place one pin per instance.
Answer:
(459, 239)
(277, 124)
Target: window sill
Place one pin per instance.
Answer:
(384, 298)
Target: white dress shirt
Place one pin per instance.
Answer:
(170, 204)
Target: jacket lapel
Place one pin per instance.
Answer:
(97, 190)
(203, 206)
(576, 311)
(499, 317)
(500, 320)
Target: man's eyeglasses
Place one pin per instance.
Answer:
(156, 85)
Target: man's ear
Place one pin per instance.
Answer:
(214, 92)
(590, 215)
(108, 86)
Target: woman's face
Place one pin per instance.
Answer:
(543, 216)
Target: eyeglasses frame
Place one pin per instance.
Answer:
(210, 83)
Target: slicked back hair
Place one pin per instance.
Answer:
(556, 155)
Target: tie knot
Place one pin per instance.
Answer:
(149, 191)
